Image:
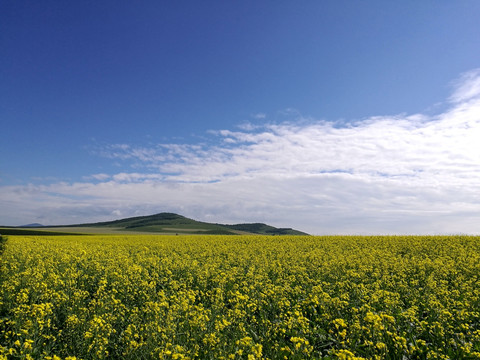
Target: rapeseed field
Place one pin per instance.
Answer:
(240, 297)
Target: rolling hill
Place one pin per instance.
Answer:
(167, 223)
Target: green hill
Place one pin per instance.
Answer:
(259, 228)
(164, 223)
(167, 223)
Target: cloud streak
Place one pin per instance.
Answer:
(384, 174)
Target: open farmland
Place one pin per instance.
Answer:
(240, 297)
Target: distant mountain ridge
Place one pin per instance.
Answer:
(169, 223)
(34, 225)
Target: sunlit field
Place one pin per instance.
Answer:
(240, 297)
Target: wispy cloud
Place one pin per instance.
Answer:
(467, 86)
(259, 116)
(386, 174)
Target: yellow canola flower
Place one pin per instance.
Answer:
(193, 297)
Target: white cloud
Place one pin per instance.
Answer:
(467, 86)
(259, 116)
(385, 174)
(100, 177)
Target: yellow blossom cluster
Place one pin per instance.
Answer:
(240, 297)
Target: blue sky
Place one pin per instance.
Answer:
(327, 116)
